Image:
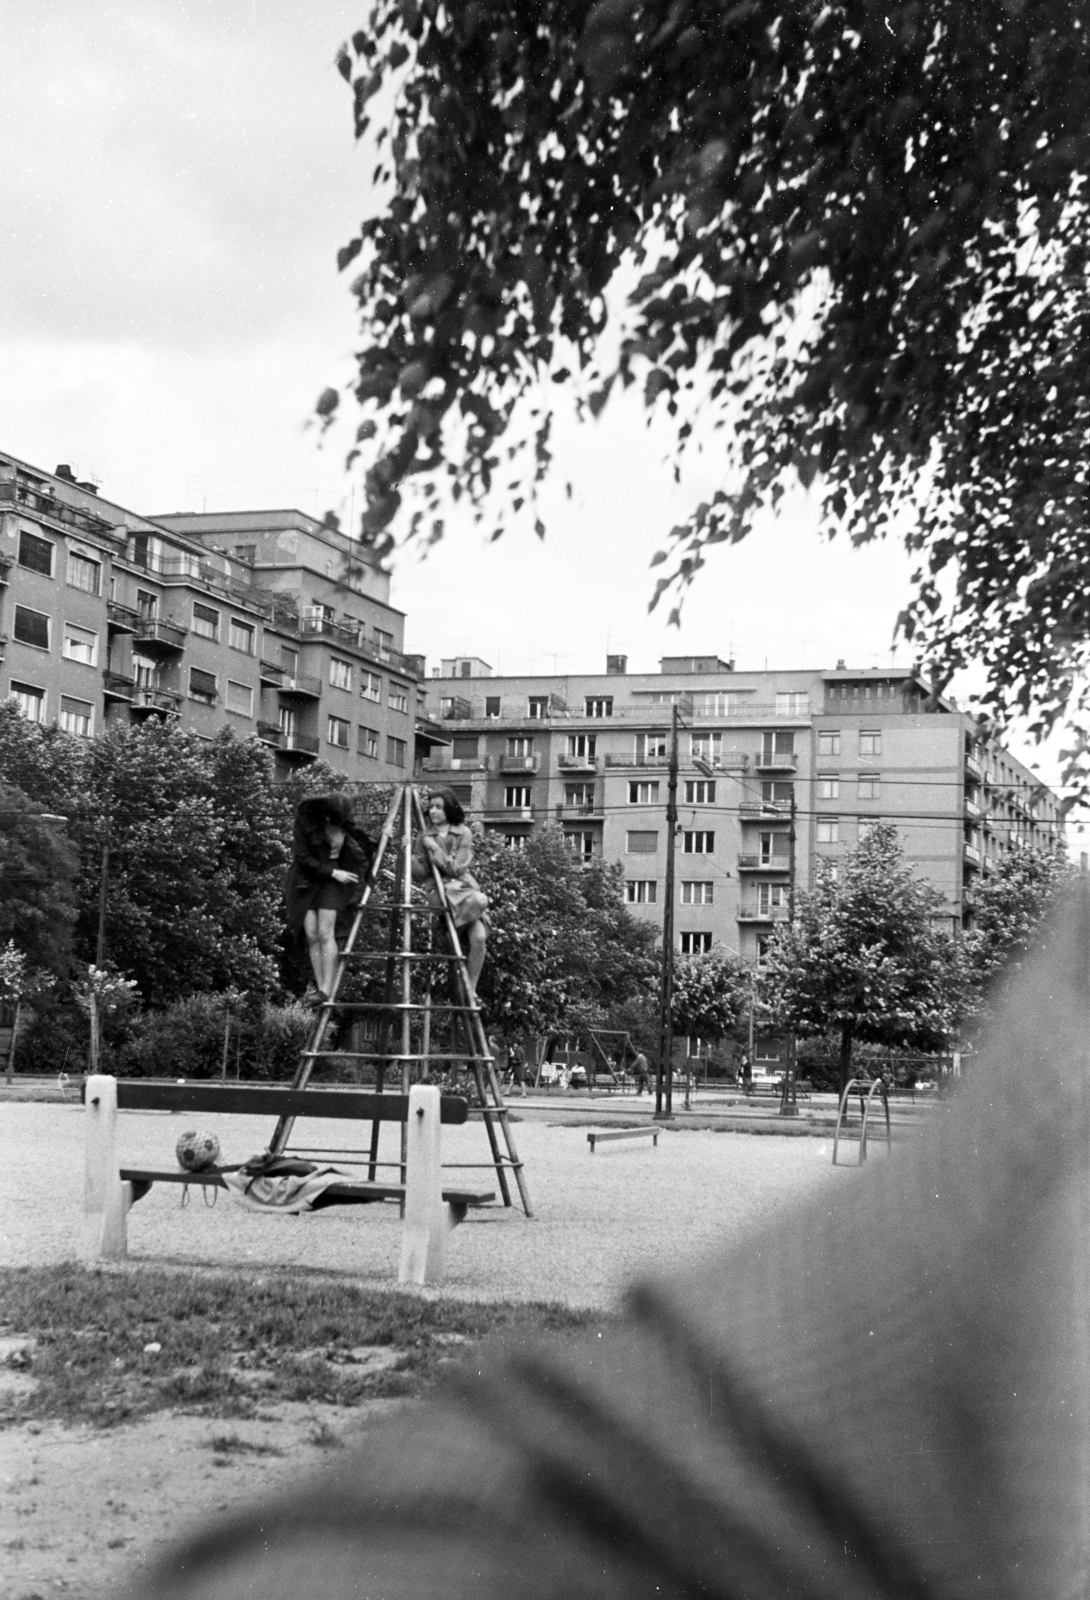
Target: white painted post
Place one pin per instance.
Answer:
(423, 1234)
(104, 1207)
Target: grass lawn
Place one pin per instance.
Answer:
(109, 1346)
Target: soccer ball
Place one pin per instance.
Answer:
(197, 1152)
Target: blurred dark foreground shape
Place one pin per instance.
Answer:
(884, 1393)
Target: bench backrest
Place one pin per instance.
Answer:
(257, 1100)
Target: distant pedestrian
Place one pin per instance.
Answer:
(643, 1073)
(499, 1055)
(517, 1063)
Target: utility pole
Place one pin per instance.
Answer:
(664, 1101)
(789, 1104)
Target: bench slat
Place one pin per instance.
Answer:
(347, 1193)
(135, 1094)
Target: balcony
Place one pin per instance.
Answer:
(6, 564)
(971, 808)
(163, 702)
(270, 733)
(594, 812)
(448, 763)
(452, 708)
(973, 769)
(755, 914)
(115, 686)
(973, 855)
(530, 763)
(763, 808)
(121, 619)
(303, 745)
(270, 674)
(637, 761)
(577, 763)
(510, 813)
(763, 864)
(303, 686)
(157, 636)
(776, 761)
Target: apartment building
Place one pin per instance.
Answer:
(269, 623)
(778, 771)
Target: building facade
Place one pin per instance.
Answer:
(778, 771)
(269, 623)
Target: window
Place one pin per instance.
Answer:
(828, 830)
(367, 742)
(641, 891)
(463, 793)
(828, 785)
(385, 642)
(286, 720)
(246, 552)
(538, 706)
(518, 796)
(583, 745)
(775, 849)
(29, 699)
(643, 794)
(579, 794)
(771, 897)
(206, 621)
(777, 794)
(698, 892)
(792, 703)
(464, 747)
(395, 751)
(202, 686)
(650, 747)
(717, 703)
(371, 686)
(870, 742)
(492, 705)
(763, 944)
(831, 870)
(641, 843)
(829, 742)
(147, 604)
(77, 716)
(398, 698)
(80, 644)
(869, 785)
(465, 669)
(700, 792)
(340, 673)
(580, 844)
(515, 841)
(778, 749)
(599, 706)
(697, 843)
(145, 672)
(35, 553)
(520, 746)
(242, 637)
(695, 944)
(240, 698)
(707, 747)
(84, 572)
(31, 627)
(867, 826)
(337, 730)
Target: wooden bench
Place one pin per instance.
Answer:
(430, 1208)
(623, 1133)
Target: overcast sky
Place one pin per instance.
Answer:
(178, 175)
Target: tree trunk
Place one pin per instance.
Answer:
(14, 1036)
(846, 1038)
(92, 1000)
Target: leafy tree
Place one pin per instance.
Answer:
(562, 949)
(865, 958)
(47, 764)
(855, 234)
(37, 870)
(1010, 907)
(711, 994)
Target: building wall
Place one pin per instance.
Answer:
(293, 641)
(847, 746)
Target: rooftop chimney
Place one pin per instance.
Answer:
(616, 666)
(63, 470)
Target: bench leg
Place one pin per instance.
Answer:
(423, 1234)
(456, 1212)
(106, 1200)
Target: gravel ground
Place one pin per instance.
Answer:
(600, 1219)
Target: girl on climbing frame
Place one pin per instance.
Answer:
(448, 844)
(330, 859)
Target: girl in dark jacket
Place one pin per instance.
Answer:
(330, 859)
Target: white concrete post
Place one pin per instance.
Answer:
(423, 1235)
(104, 1207)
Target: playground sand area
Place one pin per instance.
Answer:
(85, 1508)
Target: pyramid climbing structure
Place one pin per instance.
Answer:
(425, 1022)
